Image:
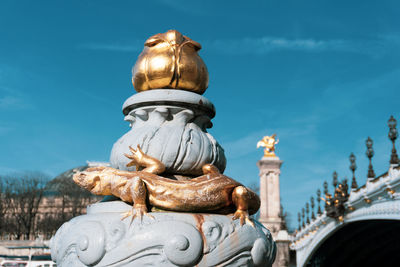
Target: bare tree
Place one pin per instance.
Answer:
(3, 207)
(23, 194)
(32, 206)
(48, 224)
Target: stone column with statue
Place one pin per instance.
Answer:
(168, 202)
(271, 214)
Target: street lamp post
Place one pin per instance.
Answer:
(394, 159)
(370, 154)
(353, 168)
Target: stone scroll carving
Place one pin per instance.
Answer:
(170, 239)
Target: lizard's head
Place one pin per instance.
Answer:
(86, 180)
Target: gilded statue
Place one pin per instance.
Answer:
(211, 192)
(268, 142)
(170, 60)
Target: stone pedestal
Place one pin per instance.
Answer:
(282, 244)
(101, 238)
(169, 131)
(270, 193)
(171, 126)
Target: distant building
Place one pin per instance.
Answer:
(60, 201)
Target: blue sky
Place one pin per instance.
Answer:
(323, 75)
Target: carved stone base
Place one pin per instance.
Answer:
(101, 238)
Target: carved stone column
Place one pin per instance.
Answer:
(270, 193)
(270, 209)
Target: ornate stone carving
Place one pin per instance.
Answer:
(174, 133)
(100, 238)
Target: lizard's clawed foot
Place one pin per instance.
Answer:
(136, 157)
(137, 211)
(243, 216)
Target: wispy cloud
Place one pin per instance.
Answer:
(10, 101)
(246, 144)
(135, 46)
(4, 170)
(5, 129)
(267, 44)
(96, 97)
(189, 7)
(374, 47)
(13, 99)
(246, 45)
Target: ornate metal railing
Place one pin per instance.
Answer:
(344, 200)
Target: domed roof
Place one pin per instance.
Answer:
(65, 178)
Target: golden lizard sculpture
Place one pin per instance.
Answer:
(211, 192)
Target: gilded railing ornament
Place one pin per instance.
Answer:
(170, 60)
(268, 142)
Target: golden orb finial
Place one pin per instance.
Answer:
(268, 142)
(170, 60)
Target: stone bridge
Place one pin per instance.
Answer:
(358, 228)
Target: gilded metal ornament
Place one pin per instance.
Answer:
(334, 206)
(211, 192)
(268, 142)
(170, 60)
